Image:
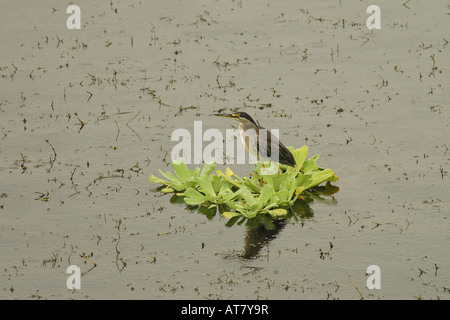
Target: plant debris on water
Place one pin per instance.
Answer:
(258, 194)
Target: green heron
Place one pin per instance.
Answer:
(260, 142)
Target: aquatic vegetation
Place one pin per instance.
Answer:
(259, 194)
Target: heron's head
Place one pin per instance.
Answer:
(239, 116)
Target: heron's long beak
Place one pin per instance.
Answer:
(225, 115)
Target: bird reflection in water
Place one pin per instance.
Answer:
(262, 229)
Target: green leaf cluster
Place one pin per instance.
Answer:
(258, 194)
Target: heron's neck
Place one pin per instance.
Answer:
(242, 133)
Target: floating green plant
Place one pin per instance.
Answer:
(259, 194)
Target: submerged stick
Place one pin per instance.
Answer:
(84, 256)
(54, 155)
(118, 130)
(132, 128)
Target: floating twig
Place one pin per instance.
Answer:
(118, 130)
(362, 298)
(81, 124)
(90, 96)
(132, 128)
(405, 4)
(54, 155)
(384, 82)
(84, 256)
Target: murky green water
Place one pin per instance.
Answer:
(86, 116)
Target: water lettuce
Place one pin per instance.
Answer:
(259, 194)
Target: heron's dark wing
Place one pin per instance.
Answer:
(286, 157)
(264, 145)
(270, 146)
